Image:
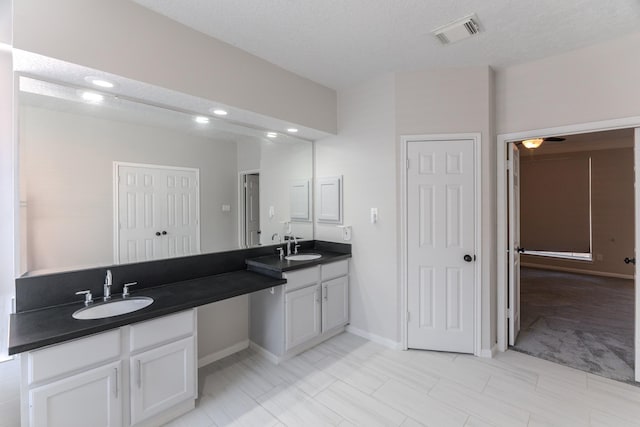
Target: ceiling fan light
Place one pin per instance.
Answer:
(533, 143)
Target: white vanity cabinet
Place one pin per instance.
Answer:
(141, 374)
(93, 398)
(162, 365)
(311, 307)
(302, 316)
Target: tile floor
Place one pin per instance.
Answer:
(349, 381)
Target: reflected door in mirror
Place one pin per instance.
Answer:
(157, 212)
(252, 209)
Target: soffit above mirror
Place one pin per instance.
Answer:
(57, 71)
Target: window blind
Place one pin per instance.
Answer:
(555, 203)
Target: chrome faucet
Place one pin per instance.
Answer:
(107, 286)
(295, 244)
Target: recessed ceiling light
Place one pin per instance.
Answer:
(292, 130)
(92, 97)
(271, 135)
(219, 112)
(201, 119)
(97, 81)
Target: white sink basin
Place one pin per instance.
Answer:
(113, 308)
(302, 257)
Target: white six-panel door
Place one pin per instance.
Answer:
(440, 235)
(157, 213)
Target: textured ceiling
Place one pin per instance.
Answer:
(339, 42)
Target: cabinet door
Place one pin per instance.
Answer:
(335, 303)
(91, 398)
(302, 315)
(162, 378)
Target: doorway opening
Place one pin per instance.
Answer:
(574, 229)
(250, 233)
(510, 317)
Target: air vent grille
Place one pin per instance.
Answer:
(458, 30)
(472, 27)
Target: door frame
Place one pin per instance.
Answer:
(476, 137)
(503, 223)
(116, 203)
(241, 205)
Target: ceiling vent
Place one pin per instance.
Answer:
(458, 30)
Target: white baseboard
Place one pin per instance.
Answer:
(265, 353)
(203, 361)
(577, 270)
(489, 353)
(394, 345)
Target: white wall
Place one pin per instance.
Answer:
(456, 101)
(371, 119)
(599, 82)
(365, 153)
(123, 38)
(67, 170)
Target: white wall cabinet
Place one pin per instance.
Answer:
(141, 374)
(91, 398)
(311, 307)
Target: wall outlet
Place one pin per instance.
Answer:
(226, 208)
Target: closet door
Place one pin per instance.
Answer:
(157, 212)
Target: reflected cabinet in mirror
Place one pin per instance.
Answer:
(108, 179)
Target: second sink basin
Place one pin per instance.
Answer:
(113, 308)
(302, 257)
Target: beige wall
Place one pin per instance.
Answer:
(612, 215)
(123, 38)
(586, 85)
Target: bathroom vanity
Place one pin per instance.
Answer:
(140, 368)
(311, 307)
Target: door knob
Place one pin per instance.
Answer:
(521, 250)
(468, 258)
(164, 232)
(157, 233)
(629, 260)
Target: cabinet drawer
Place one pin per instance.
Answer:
(71, 356)
(300, 278)
(163, 329)
(335, 269)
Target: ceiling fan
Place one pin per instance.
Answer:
(537, 142)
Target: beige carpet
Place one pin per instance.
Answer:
(586, 322)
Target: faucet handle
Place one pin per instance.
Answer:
(295, 249)
(125, 290)
(88, 298)
(281, 251)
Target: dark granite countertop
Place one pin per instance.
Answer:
(274, 266)
(38, 328)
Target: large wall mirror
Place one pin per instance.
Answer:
(110, 179)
